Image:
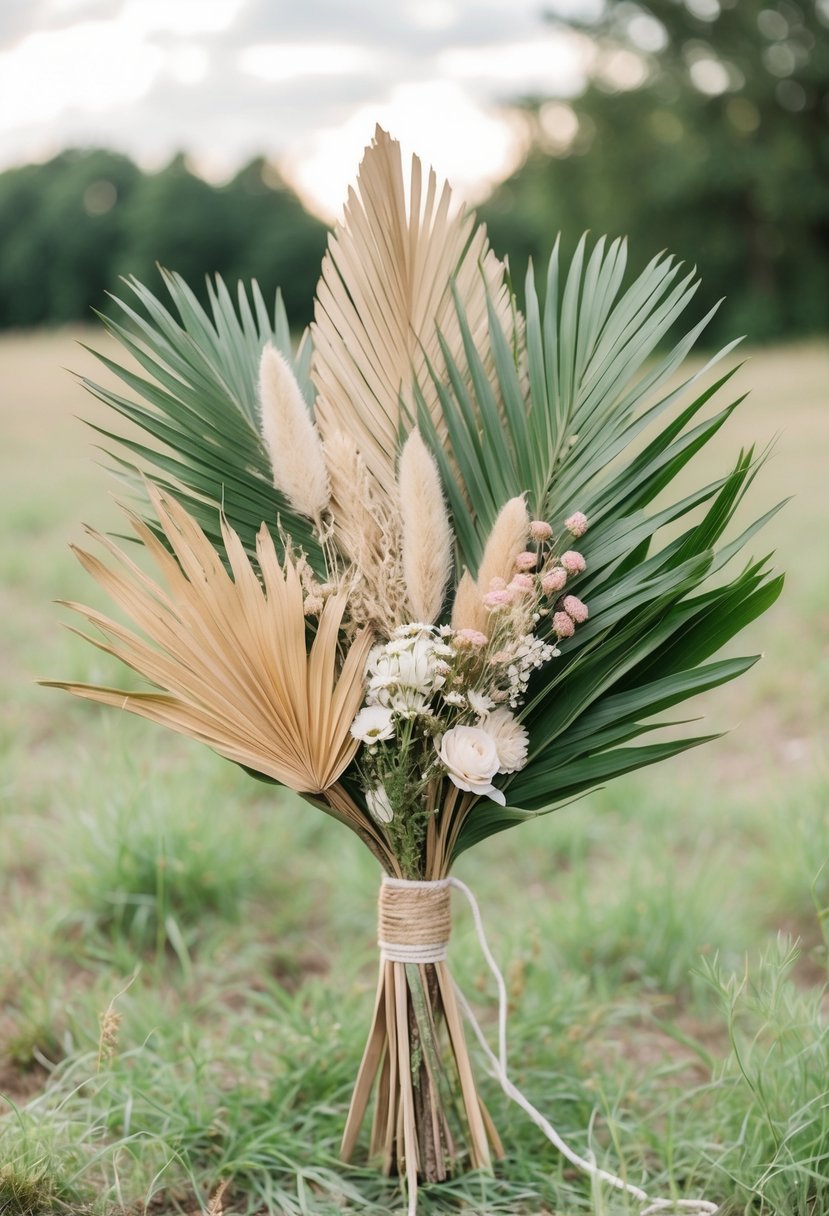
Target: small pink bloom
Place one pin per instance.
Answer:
(497, 599)
(521, 583)
(540, 530)
(526, 560)
(563, 627)
(575, 608)
(553, 580)
(471, 637)
(577, 523)
(501, 656)
(573, 562)
(497, 584)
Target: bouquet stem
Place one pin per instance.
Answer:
(429, 1120)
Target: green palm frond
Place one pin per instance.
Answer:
(593, 390)
(197, 404)
(606, 432)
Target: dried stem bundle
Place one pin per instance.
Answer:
(366, 529)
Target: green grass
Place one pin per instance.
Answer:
(665, 941)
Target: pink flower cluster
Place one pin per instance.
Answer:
(573, 562)
(539, 572)
(540, 530)
(576, 524)
(553, 580)
(470, 637)
(574, 612)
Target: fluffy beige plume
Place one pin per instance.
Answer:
(367, 531)
(468, 611)
(427, 536)
(228, 652)
(386, 292)
(507, 539)
(291, 438)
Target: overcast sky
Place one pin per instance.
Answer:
(303, 81)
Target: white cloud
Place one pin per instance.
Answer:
(433, 14)
(92, 66)
(278, 61)
(186, 17)
(187, 63)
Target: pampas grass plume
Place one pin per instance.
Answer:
(291, 438)
(468, 610)
(427, 536)
(507, 540)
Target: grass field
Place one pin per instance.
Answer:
(187, 958)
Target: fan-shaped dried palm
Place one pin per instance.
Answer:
(229, 652)
(385, 301)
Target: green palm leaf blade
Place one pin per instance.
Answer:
(607, 430)
(577, 779)
(196, 405)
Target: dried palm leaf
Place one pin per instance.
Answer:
(229, 653)
(385, 300)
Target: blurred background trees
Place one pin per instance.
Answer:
(703, 130)
(70, 227)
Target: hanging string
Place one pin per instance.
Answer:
(402, 903)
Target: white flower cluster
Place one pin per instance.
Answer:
(519, 661)
(403, 677)
(420, 674)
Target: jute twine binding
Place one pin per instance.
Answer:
(414, 927)
(414, 920)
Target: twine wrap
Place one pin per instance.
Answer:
(414, 920)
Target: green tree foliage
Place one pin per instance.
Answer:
(70, 227)
(61, 225)
(704, 129)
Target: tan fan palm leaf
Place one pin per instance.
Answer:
(384, 296)
(229, 652)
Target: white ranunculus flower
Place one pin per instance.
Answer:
(510, 738)
(372, 724)
(471, 760)
(378, 804)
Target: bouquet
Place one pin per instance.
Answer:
(425, 570)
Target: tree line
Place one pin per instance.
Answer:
(703, 130)
(69, 228)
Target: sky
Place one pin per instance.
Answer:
(300, 81)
